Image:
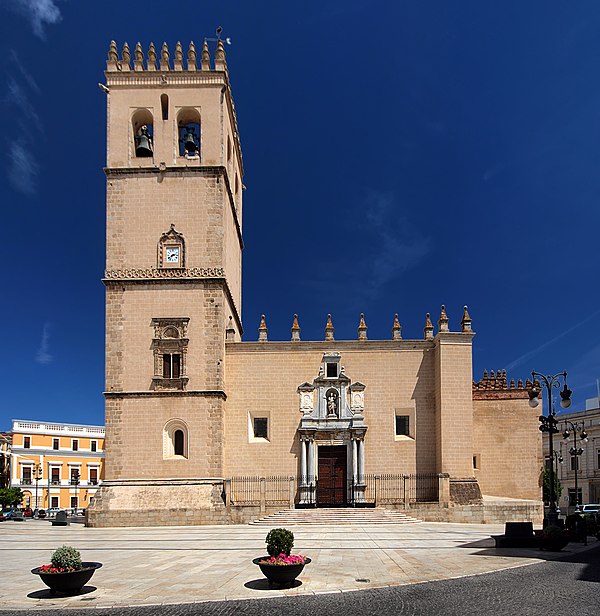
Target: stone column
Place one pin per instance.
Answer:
(311, 462)
(303, 476)
(361, 461)
(354, 461)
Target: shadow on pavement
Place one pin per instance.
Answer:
(45, 594)
(263, 584)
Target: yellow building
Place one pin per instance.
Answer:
(56, 464)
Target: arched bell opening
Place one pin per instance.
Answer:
(142, 124)
(188, 126)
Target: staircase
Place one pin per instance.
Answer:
(335, 517)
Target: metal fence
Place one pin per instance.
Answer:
(272, 490)
(384, 489)
(394, 489)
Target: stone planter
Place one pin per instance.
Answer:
(68, 581)
(284, 575)
(553, 541)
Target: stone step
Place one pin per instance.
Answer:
(336, 516)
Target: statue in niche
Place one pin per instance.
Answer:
(332, 405)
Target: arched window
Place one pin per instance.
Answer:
(164, 106)
(142, 124)
(188, 126)
(178, 442)
(175, 440)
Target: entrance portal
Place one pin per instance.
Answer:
(331, 486)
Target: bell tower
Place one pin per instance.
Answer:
(173, 278)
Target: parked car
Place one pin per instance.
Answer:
(27, 512)
(41, 513)
(52, 511)
(591, 508)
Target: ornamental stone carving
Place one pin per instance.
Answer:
(145, 273)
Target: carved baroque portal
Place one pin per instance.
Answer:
(332, 414)
(331, 401)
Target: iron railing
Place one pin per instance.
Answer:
(370, 490)
(272, 490)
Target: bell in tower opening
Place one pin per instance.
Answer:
(143, 143)
(189, 141)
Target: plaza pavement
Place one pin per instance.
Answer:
(176, 565)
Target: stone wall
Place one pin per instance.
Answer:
(158, 503)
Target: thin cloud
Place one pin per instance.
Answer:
(39, 13)
(22, 169)
(43, 356)
(530, 354)
(14, 60)
(400, 246)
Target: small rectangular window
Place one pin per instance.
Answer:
(75, 444)
(261, 425)
(402, 425)
(93, 446)
(332, 369)
(55, 443)
(93, 476)
(27, 474)
(598, 460)
(26, 442)
(171, 365)
(55, 475)
(54, 501)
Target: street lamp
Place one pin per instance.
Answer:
(577, 428)
(549, 424)
(37, 475)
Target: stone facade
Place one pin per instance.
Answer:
(211, 414)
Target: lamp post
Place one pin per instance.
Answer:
(37, 475)
(577, 429)
(549, 424)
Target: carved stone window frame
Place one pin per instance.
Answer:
(171, 239)
(170, 337)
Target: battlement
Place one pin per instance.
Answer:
(495, 385)
(154, 62)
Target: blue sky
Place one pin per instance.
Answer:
(398, 156)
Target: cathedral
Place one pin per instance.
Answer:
(206, 427)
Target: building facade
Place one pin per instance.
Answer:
(5, 441)
(55, 464)
(578, 459)
(230, 429)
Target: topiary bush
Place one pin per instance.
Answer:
(66, 557)
(279, 541)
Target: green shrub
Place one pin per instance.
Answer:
(279, 541)
(571, 521)
(591, 523)
(66, 557)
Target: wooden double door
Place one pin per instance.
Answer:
(331, 486)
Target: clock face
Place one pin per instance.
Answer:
(172, 255)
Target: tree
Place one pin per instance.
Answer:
(546, 488)
(10, 497)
